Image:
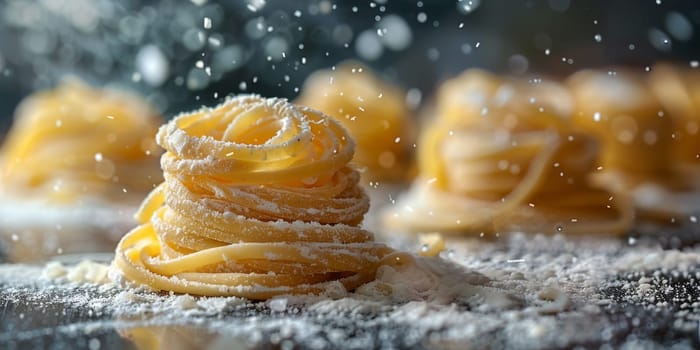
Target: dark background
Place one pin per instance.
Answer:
(100, 40)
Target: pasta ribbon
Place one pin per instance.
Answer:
(374, 113)
(462, 99)
(258, 200)
(76, 140)
(678, 91)
(645, 151)
(624, 115)
(517, 167)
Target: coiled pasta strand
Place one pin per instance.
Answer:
(258, 201)
(519, 168)
(373, 111)
(77, 140)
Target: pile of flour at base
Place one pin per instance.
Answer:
(429, 279)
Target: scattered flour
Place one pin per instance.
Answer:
(517, 292)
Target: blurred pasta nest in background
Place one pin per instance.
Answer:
(78, 141)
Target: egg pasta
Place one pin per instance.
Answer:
(258, 200)
(374, 113)
(518, 169)
(77, 140)
(678, 91)
(644, 151)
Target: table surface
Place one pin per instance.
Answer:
(519, 292)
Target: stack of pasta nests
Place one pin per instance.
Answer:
(505, 155)
(258, 200)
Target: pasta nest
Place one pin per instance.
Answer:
(77, 140)
(258, 200)
(373, 111)
(678, 91)
(518, 166)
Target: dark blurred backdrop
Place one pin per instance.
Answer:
(182, 54)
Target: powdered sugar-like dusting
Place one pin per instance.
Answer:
(518, 292)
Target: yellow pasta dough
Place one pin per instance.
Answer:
(678, 90)
(258, 200)
(374, 113)
(464, 99)
(519, 167)
(638, 146)
(621, 111)
(76, 140)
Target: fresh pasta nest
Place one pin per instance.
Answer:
(73, 167)
(516, 166)
(76, 141)
(648, 140)
(373, 111)
(258, 200)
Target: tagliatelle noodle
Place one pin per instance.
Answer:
(258, 200)
(622, 112)
(639, 153)
(678, 91)
(373, 111)
(519, 167)
(463, 99)
(77, 140)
